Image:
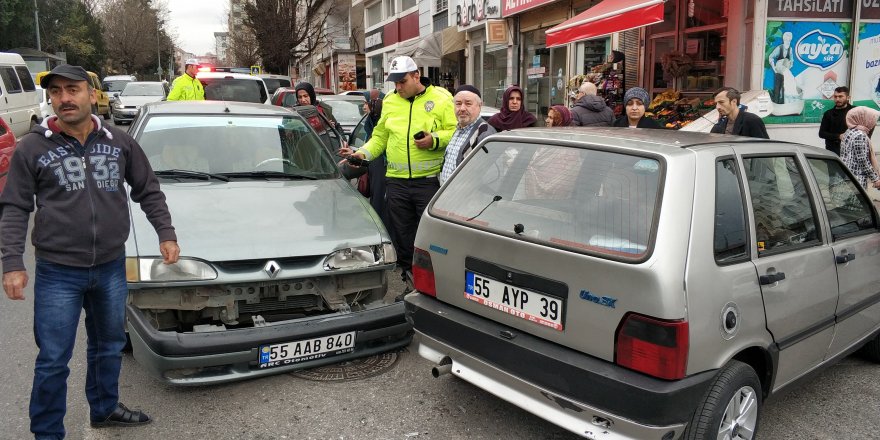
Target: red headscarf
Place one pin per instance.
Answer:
(564, 114)
(507, 119)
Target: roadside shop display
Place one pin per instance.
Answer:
(673, 111)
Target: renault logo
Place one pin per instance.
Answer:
(272, 268)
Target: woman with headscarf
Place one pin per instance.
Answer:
(635, 101)
(856, 150)
(305, 95)
(373, 107)
(513, 113)
(558, 116)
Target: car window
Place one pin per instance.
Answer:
(235, 144)
(233, 89)
(10, 79)
(27, 83)
(135, 89)
(115, 86)
(346, 112)
(783, 210)
(585, 200)
(289, 100)
(849, 210)
(274, 83)
(730, 221)
(358, 136)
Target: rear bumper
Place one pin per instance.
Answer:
(588, 396)
(229, 355)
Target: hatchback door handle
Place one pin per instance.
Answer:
(845, 258)
(770, 279)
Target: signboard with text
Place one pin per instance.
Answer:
(346, 70)
(513, 7)
(470, 13)
(865, 87)
(812, 9)
(373, 40)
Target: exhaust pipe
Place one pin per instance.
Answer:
(444, 367)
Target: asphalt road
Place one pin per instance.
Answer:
(403, 401)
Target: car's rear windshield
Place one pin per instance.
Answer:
(234, 89)
(115, 86)
(144, 89)
(274, 83)
(586, 200)
(235, 144)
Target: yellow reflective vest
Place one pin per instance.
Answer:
(433, 112)
(186, 88)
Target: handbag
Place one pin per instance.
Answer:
(363, 184)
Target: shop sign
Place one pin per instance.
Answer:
(803, 63)
(470, 13)
(536, 72)
(812, 8)
(373, 40)
(496, 32)
(870, 9)
(346, 70)
(865, 87)
(513, 7)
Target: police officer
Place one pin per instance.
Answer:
(186, 87)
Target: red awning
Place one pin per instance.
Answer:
(606, 18)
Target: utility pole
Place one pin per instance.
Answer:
(158, 51)
(37, 25)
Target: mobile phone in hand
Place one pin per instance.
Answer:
(419, 135)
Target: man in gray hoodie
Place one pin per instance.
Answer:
(75, 169)
(590, 110)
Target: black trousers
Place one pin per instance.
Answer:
(407, 200)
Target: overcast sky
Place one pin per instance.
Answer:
(194, 23)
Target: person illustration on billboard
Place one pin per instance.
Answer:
(780, 61)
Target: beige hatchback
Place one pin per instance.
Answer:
(624, 283)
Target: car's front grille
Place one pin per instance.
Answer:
(256, 265)
(274, 304)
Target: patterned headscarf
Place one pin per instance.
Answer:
(564, 113)
(862, 118)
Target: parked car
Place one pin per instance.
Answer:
(284, 267)
(224, 86)
(19, 100)
(353, 92)
(134, 96)
(45, 103)
(114, 84)
(347, 109)
(273, 82)
(645, 284)
(7, 147)
(329, 135)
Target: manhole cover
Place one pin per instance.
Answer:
(351, 370)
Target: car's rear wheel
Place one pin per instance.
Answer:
(731, 407)
(107, 115)
(871, 350)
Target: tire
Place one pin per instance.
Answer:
(871, 350)
(107, 115)
(732, 405)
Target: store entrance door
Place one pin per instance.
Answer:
(544, 74)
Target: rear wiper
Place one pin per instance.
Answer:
(270, 174)
(192, 174)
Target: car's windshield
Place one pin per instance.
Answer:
(115, 86)
(346, 112)
(143, 89)
(274, 83)
(233, 89)
(235, 144)
(582, 199)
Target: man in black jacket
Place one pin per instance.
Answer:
(834, 120)
(76, 168)
(734, 119)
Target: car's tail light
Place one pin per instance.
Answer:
(652, 346)
(423, 272)
(205, 69)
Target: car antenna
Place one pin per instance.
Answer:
(494, 199)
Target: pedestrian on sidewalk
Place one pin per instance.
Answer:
(834, 120)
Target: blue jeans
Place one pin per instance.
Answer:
(60, 292)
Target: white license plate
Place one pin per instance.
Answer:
(276, 355)
(526, 304)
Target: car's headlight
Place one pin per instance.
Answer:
(361, 256)
(116, 104)
(154, 270)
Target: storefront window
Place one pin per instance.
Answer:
(705, 12)
(706, 49)
(494, 74)
(476, 61)
(544, 77)
(670, 13)
(377, 71)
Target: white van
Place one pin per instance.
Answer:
(19, 99)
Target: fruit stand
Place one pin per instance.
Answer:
(673, 111)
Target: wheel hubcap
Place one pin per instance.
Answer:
(740, 417)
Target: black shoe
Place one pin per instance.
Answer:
(123, 416)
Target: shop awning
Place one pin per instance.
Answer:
(424, 51)
(607, 17)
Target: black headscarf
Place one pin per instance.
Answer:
(507, 119)
(309, 89)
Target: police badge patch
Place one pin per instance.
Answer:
(429, 106)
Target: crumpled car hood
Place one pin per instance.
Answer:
(243, 220)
